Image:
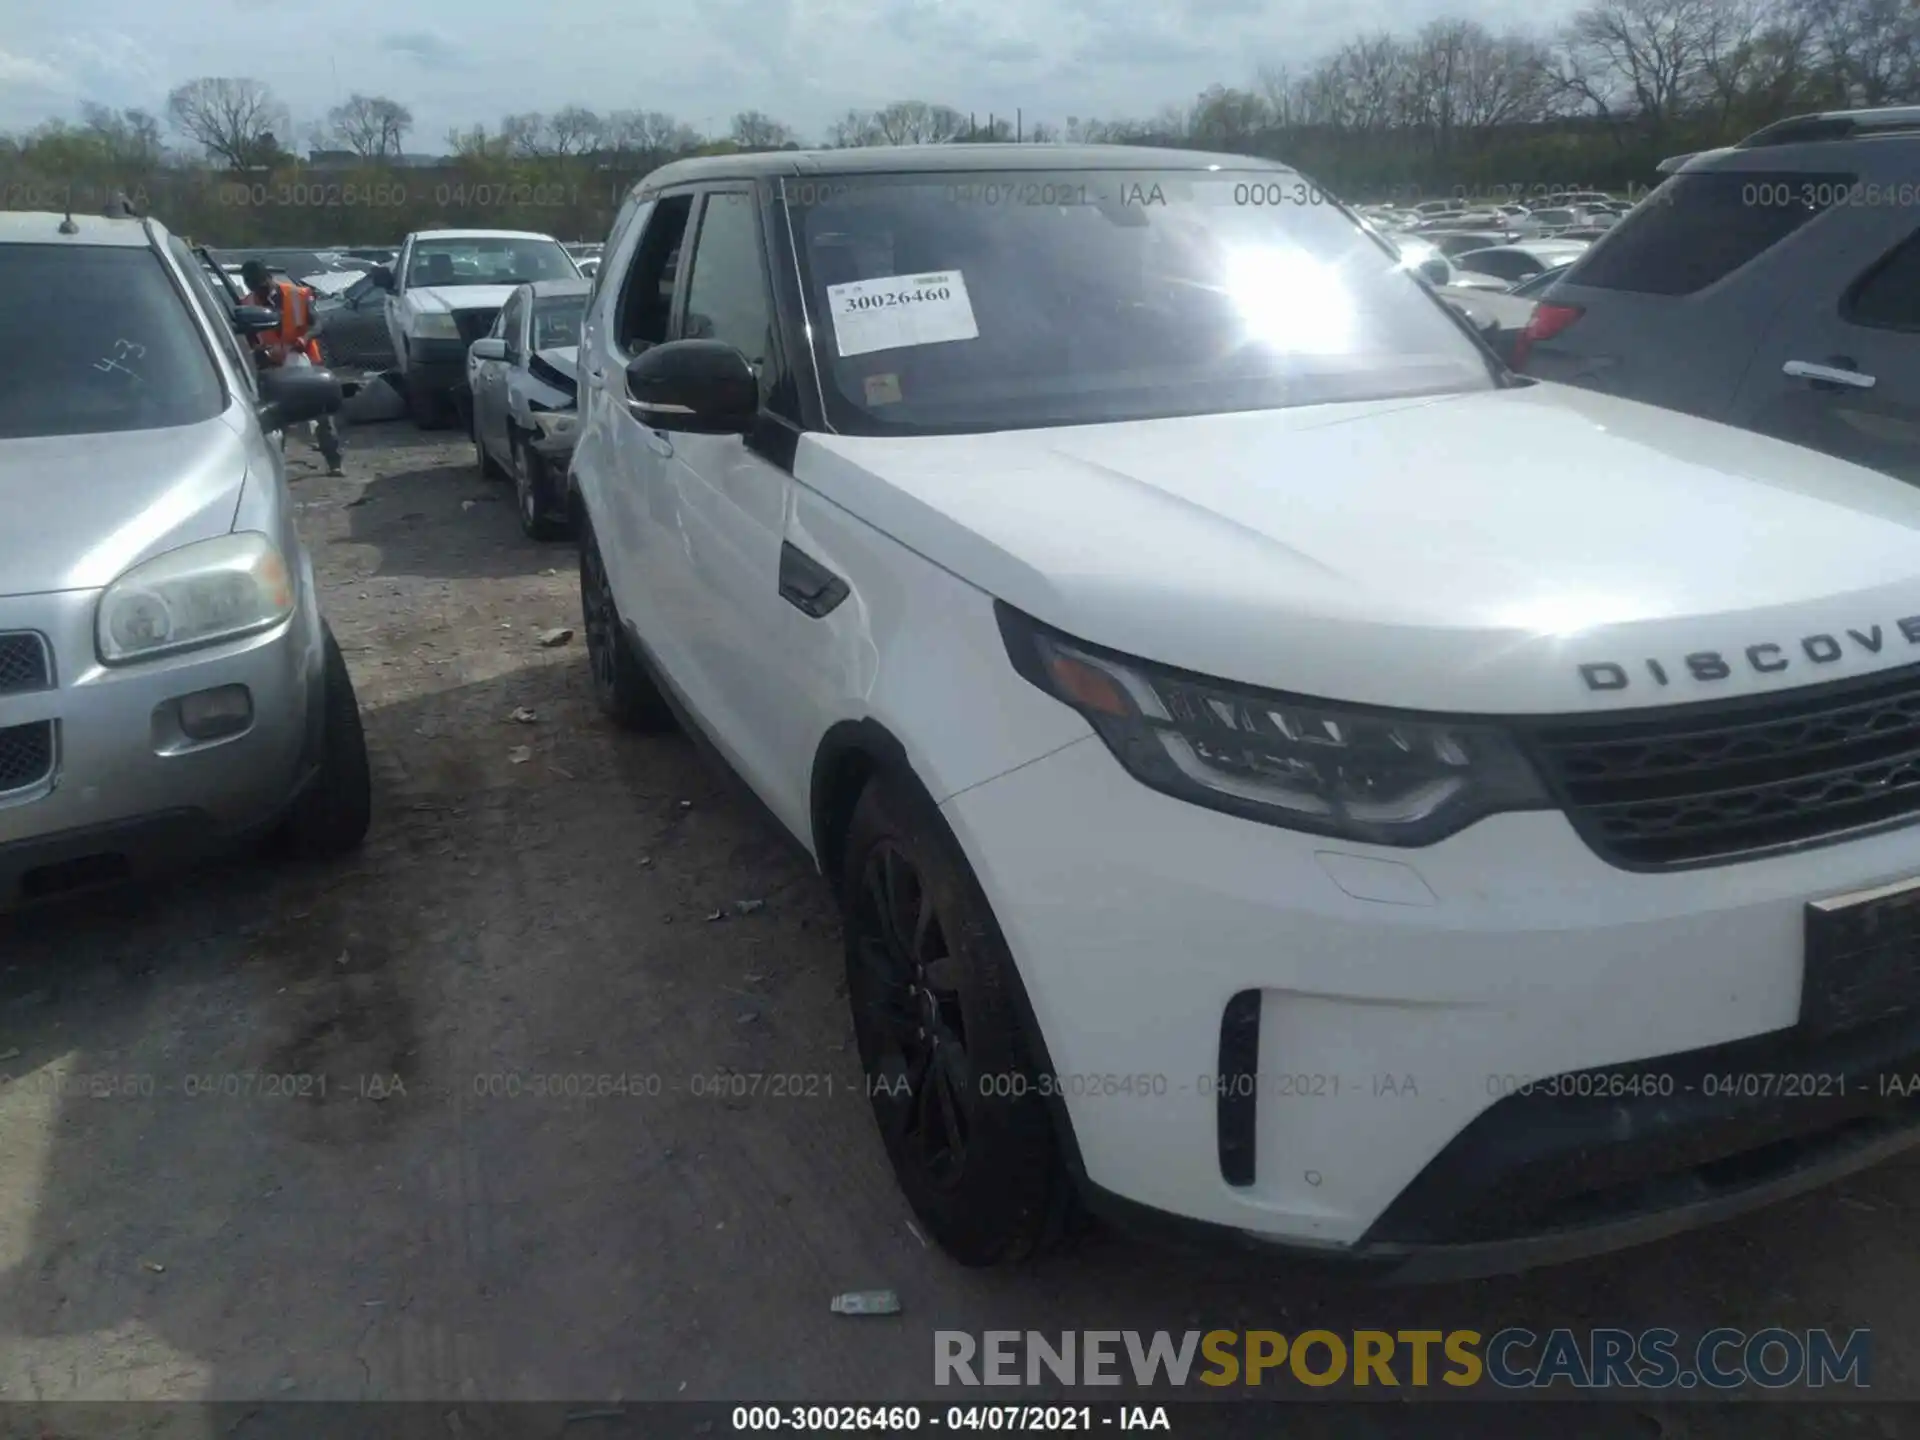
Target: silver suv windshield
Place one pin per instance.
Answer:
(967, 301)
(113, 344)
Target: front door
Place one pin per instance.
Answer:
(731, 495)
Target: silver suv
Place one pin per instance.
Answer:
(167, 686)
(1773, 285)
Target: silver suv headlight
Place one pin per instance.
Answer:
(436, 325)
(1376, 776)
(200, 594)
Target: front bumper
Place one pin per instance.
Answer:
(129, 791)
(1393, 1001)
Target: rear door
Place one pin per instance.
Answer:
(1674, 300)
(1840, 369)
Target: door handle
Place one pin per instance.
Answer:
(807, 585)
(1838, 375)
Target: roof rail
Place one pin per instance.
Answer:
(1834, 125)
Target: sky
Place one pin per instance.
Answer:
(805, 62)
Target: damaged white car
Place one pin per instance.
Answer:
(523, 376)
(445, 293)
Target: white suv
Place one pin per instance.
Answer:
(1249, 801)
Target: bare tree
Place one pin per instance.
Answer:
(647, 132)
(371, 126)
(1641, 58)
(1228, 119)
(1872, 47)
(574, 131)
(475, 143)
(755, 130)
(129, 139)
(233, 120)
(915, 122)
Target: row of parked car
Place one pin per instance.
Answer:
(1247, 806)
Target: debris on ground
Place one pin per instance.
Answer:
(467, 504)
(154, 1265)
(519, 754)
(748, 907)
(716, 915)
(551, 639)
(523, 716)
(12, 1052)
(867, 1302)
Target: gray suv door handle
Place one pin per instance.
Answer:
(1827, 375)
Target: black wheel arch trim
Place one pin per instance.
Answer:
(831, 801)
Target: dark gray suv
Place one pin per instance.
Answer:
(1774, 285)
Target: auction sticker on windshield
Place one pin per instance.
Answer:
(892, 311)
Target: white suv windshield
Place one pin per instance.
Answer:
(113, 346)
(487, 260)
(975, 301)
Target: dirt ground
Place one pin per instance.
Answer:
(432, 1228)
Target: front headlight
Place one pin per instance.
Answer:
(554, 424)
(1368, 775)
(197, 595)
(436, 325)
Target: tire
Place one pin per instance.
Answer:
(533, 493)
(621, 686)
(489, 467)
(429, 411)
(937, 1020)
(331, 818)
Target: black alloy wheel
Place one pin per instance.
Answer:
(905, 990)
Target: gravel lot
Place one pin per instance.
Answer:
(549, 911)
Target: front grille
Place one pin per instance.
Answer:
(474, 324)
(24, 664)
(1708, 783)
(26, 755)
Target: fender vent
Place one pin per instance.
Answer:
(1236, 1098)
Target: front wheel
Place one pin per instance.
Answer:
(533, 492)
(428, 409)
(950, 1071)
(331, 817)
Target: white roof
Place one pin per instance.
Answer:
(481, 235)
(42, 227)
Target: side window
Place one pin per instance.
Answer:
(727, 297)
(201, 287)
(1701, 226)
(1887, 297)
(646, 296)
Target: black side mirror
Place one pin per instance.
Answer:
(295, 396)
(382, 276)
(254, 319)
(698, 387)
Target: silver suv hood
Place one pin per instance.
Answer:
(77, 510)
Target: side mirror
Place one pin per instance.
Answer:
(698, 387)
(488, 347)
(254, 319)
(295, 396)
(383, 277)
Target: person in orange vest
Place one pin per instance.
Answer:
(291, 341)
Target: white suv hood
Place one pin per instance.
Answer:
(1463, 553)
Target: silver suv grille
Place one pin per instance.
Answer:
(26, 756)
(24, 663)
